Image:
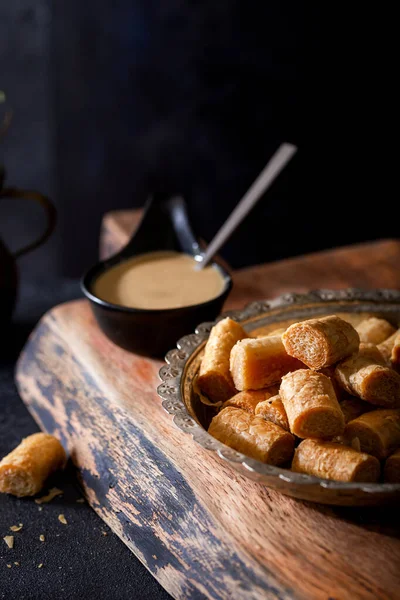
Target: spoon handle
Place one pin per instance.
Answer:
(275, 165)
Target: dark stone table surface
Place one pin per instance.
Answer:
(82, 559)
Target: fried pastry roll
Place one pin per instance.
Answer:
(273, 410)
(311, 405)
(386, 347)
(378, 432)
(214, 379)
(253, 436)
(247, 400)
(274, 389)
(257, 363)
(330, 372)
(395, 355)
(374, 330)
(24, 471)
(391, 472)
(319, 343)
(278, 331)
(353, 407)
(333, 461)
(366, 375)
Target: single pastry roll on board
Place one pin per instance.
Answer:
(253, 436)
(273, 410)
(258, 363)
(247, 400)
(366, 375)
(214, 379)
(378, 432)
(311, 405)
(24, 471)
(374, 330)
(353, 407)
(391, 473)
(333, 461)
(319, 343)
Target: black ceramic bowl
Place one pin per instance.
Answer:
(164, 226)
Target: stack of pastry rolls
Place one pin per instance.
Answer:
(321, 397)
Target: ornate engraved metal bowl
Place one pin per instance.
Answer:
(180, 399)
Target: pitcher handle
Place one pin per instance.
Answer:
(49, 210)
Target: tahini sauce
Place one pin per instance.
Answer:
(158, 280)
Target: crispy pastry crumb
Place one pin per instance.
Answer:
(81, 500)
(104, 532)
(40, 508)
(9, 540)
(16, 527)
(62, 519)
(49, 497)
(154, 556)
(40, 566)
(16, 564)
(8, 566)
(41, 537)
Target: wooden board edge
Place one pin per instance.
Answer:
(257, 585)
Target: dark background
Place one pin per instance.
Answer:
(115, 99)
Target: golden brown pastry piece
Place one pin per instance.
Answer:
(391, 471)
(386, 347)
(374, 330)
(378, 432)
(24, 471)
(214, 379)
(311, 405)
(333, 461)
(274, 389)
(278, 331)
(257, 363)
(247, 400)
(319, 343)
(366, 375)
(353, 407)
(395, 355)
(273, 410)
(339, 391)
(253, 436)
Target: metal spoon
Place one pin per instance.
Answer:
(275, 165)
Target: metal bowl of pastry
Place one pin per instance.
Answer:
(197, 409)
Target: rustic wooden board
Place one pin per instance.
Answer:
(202, 529)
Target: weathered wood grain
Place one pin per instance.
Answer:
(200, 528)
(203, 530)
(116, 229)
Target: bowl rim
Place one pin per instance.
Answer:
(172, 376)
(101, 267)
